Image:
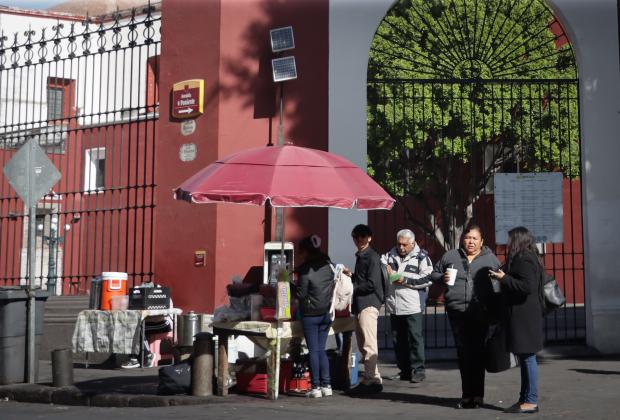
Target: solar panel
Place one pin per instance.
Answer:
(284, 69)
(282, 39)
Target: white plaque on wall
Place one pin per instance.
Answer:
(188, 127)
(532, 200)
(187, 152)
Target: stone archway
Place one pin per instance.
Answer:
(459, 91)
(593, 31)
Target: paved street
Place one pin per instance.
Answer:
(569, 389)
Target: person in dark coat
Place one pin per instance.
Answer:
(521, 286)
(315, 285)
(368, 296)
(467, 302)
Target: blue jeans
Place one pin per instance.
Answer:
(316, 329)
(529, 378)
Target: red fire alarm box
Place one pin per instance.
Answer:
(200, 255)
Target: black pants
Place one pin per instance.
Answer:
(469, 329)
(408, 342)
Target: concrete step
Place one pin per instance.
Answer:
(66, 305)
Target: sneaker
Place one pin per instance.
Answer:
(400, 376)
(366, 389)
(326, 391)
(375, 388)
(361, 389)
(131, 364)
(416, 378)
(314, 393)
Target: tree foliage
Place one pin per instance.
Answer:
(459, 90)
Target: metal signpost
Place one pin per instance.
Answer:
(32, 174)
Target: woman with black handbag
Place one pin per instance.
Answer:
(521, 286)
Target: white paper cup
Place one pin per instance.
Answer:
(496, 286)
(452, 273)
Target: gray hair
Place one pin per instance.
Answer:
(405, 233)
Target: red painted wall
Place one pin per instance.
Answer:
(226, 43)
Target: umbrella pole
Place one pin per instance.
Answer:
(276, 380)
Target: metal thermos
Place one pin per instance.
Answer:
(188, 328)
(95, 293)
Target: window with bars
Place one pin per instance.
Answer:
(55, 100)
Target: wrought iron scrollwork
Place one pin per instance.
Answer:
(471, 39)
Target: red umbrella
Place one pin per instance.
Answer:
(287, 176)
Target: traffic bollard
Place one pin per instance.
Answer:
(62, 367)
(202, 366)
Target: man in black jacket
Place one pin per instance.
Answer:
(368, 296)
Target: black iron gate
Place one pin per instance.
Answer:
(87, 91)
(460, 90)
(435, 145)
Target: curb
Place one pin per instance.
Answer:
(42, 394)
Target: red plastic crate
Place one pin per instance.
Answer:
(256, 383)
(297, 385)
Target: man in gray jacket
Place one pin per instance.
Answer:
(409, 268)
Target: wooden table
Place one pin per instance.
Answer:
(269, 330)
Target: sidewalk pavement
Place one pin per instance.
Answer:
(570, 387)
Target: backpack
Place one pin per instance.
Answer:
(343, 290)
(175, 379)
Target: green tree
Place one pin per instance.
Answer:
(459, 90)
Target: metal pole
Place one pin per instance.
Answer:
(279, 210)
(276, 380)
(31, 369)
(280, 127)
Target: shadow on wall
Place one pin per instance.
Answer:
(248, 82)
(249, 75)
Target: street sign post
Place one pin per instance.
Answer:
(32, 174)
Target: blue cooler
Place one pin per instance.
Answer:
(335, 370)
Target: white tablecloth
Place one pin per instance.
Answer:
(112, 331)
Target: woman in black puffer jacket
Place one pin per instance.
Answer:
(315, 286)
(521, 286)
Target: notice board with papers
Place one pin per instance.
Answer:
(532, 200)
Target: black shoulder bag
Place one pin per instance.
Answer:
(551, 294)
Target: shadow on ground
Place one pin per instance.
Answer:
(419, 399)
(121, 384)
(597, 372)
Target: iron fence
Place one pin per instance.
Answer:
(435, 145)
(87, 91)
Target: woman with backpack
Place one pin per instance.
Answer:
(521, 287)
(315, 285)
